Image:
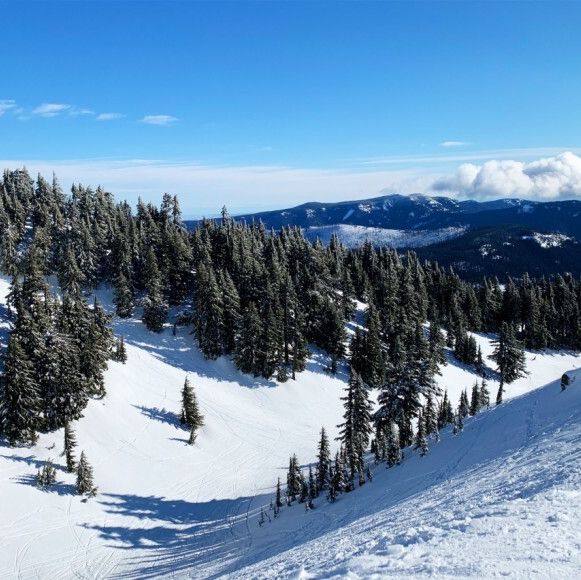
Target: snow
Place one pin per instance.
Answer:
(548, 240)
(348, 214)
(501, 499)
(167, 509)
(353, 236)
(365, 207)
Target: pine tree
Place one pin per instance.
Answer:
(70, 444)
(278, 499)
(154, 307)
(313, 489)
(479, 364)
(190, 415)
(464, 406)
(47, 475)
(509, 357)
(304, 490)
(247, 348)
(355, 430)
(20, 407)
(294, 480)
(123, 298)
(445, 412)
(393, 447)
(431, 419)
(437, 343)
(120, 354)
(323, 461)
(85, 485)
(209, 312)
(373, 365)
(421, 441)
(484, 395)
(475, 399)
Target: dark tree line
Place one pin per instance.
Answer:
(256, 296)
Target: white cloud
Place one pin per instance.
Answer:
(109, 116)
(159, 119)
(50, 109)
(452, 144)
(7, 105)
(548, 178)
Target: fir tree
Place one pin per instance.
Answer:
(393, 447)
(475, 399)
(484, 395)
(464, 406)
(20, 408)
(313, 489)
(509, 357)
(479, 364)
(278, 498)
(47, 475)
(294, 480)
(70, 444)
(421, 441)
(445, 412)
(85, 485)
(154, 306)
(123, 298)
(355, 430)
(431, 419)
(323, 461)
(190, 415)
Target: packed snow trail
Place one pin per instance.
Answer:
(502, 498)
(168, 509)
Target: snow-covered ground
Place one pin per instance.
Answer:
(505, 491)
(354, 236)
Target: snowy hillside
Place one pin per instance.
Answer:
(165, 508)
(354, 236)
(503, 498)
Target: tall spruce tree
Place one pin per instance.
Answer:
(356, 427)
(85, 484)
(69, 450)
(509, 356)
(323, 461)
(21, 404)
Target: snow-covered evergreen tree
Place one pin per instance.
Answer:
(356, 427)
(70, 444)
(85, 485)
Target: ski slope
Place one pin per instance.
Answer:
(168, 509)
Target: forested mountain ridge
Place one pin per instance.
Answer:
(424, 212)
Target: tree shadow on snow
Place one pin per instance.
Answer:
(31, 460)
(180, 352)
(490, 373)
(180, 535)
(58, 487)
(161, 415)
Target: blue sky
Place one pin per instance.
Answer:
(266, 104)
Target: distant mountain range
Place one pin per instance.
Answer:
(423, 212)
(501, 237)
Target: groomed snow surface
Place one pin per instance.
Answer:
(500, 499)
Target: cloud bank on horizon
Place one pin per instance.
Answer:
(546, 179)
(205, 188)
